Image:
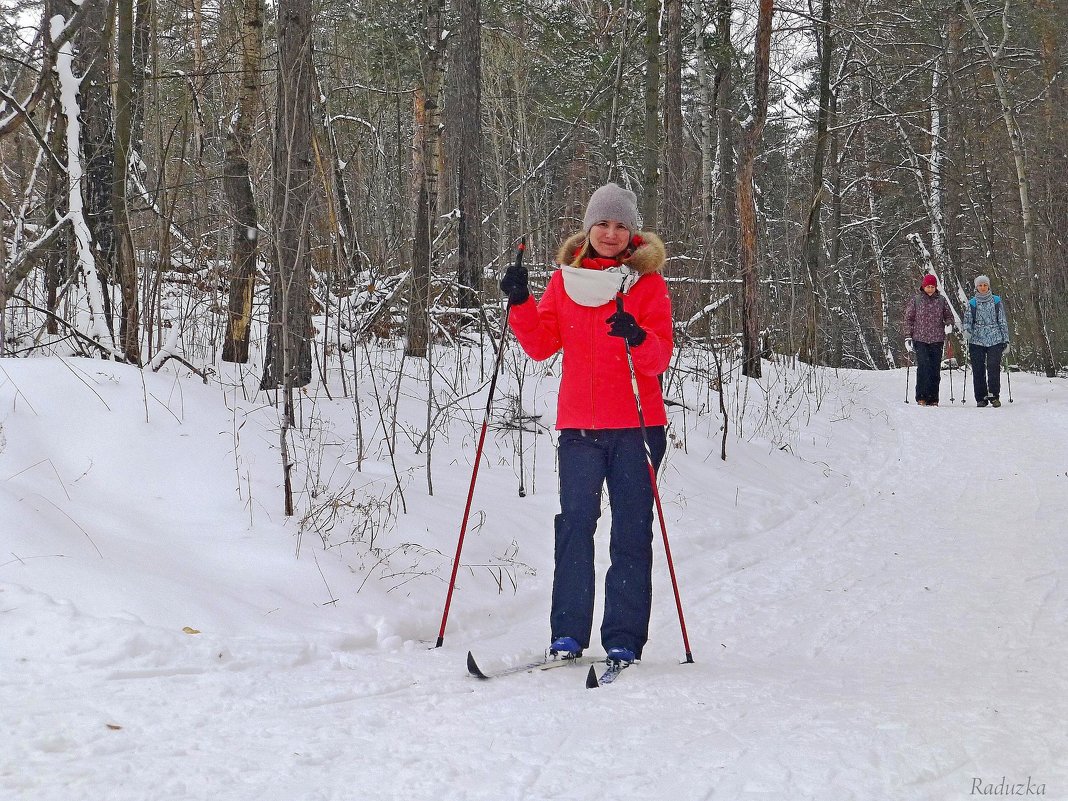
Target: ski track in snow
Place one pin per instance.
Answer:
(879, 614)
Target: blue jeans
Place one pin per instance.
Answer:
(589, 459)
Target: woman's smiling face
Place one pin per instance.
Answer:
(609, 238)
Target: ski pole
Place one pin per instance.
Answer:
(1008, 375)
(908, 367)
(656, 491)
(478, 455)
(522, 423)
(964, 392)
(949, 365)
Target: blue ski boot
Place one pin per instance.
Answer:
(566, 647)
(620, 655)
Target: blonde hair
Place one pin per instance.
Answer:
(583, 252)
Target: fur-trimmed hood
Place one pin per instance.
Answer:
(649, 257)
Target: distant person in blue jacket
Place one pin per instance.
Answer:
(987, 333)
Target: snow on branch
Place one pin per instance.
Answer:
(69, 86)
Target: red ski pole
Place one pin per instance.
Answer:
(656, 491)
(478, 456)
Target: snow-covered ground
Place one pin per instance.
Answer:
(874, 594)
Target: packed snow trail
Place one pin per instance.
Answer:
(875, 604)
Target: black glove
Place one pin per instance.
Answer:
(514, 284)
(624, 325)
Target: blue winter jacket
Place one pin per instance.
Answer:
(990, 326)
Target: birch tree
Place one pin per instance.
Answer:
(93, 62)
(1020, 159)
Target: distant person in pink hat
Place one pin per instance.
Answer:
(927, 318)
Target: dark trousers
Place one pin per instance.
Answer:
(986, 369)
(589, 459)
(928, 370)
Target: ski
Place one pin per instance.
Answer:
(547, 662)
(608, 675)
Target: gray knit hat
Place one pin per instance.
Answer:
(981, 279)
(612, 202)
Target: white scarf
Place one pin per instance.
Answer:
(597, 287)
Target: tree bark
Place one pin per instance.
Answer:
(675, 195)
(727, 208)
(953, 174)
(811, 245)
(747, 251)
(1019, 153)
(93, 61)
(427, 115)
(125, 261)
(288, 360)
(469, 63)
(1055, 145)
(237, 187)
(651, 152)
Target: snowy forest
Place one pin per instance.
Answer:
(251, 328)
(181, 172)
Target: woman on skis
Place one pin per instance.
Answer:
(600, 441)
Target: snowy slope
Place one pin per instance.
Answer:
(874, 595)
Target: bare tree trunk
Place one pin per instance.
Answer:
(1055, 199)
(835, 157)
(706, 115)
(952, 126)
(288, 360)
(727, 208)
(651, 153)
(469, 63)
(811, 246)
(1019, 154)
(141, 36)
(878, 275)
(936, 162)
(237, 186)
(125, 260)
(427, 115)
(83, 256)
(617, 95)
(59, 260)
(747, 251)
(97, 142)
(675, 203)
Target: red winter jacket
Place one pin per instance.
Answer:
(595, 388)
